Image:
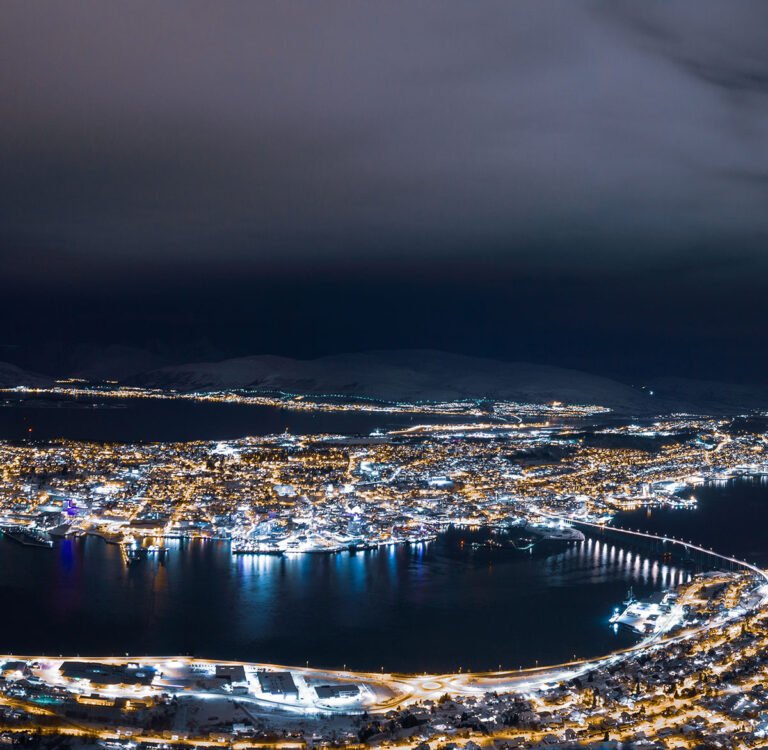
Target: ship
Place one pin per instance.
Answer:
(648, 617)
(249, 547)
(134, 554)
(28, 536)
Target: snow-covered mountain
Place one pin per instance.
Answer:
(402, 375)
(11, 376)
(718, 397)
(410, 375)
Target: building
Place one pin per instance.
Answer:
(278, 683)
(342, 690)
(108, 674)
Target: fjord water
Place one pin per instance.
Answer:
(158, 420)
(436, 607)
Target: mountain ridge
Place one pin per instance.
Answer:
(400, 375)
(404, 375)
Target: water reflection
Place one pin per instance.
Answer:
(601, 561)
(427, 607)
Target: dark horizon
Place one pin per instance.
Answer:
(628, 326)
(582, 185)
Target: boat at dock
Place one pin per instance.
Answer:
(27, 536)
(244, 548)
(134, 554)
(647, 617)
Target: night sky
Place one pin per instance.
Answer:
(577, 183)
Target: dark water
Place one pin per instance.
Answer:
(731, 517)
(433, 607)
(157, 420)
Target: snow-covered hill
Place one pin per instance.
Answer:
(402, 375)
(11, 376)
(411, 375)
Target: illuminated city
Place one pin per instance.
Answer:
(542, 473)
(383, 375)
(534, 467)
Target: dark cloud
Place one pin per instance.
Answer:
(723, 45)
(253, 127)
(251, 142)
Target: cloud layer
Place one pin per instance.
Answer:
(355, 133)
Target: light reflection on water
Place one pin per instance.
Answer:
(603, 561)
(433, 606)
(600, 561)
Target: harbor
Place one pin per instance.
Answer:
(655, 614)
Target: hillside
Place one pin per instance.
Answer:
(402, 375)
(11, 376)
